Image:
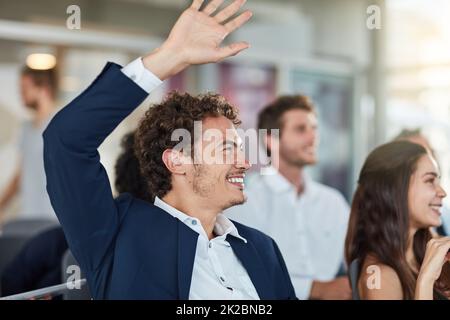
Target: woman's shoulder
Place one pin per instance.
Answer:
(378, 280)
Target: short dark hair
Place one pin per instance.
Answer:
(177, 111)
(43, 78)
(128, 173)
(270, 116)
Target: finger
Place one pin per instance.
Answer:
(238, 21)
(447, 245)
(232, 49)
(227, 12)
(444, 242)
(212, 7)
(196, 4)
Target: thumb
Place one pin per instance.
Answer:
(232, 49)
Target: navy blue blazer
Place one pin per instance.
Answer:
(129, 248)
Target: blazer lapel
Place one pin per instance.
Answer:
(252, 262)
(187, 246)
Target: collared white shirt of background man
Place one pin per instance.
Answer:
(309, 229)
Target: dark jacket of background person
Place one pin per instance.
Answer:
(38, 264)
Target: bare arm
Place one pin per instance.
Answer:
(336, 289)
(10, 191)
(379, 282)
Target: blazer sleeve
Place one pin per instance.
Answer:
(77, 183)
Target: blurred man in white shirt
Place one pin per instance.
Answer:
(307, 219)
(38, 89)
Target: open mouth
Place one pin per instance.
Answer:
(436, 208)
(237, 180)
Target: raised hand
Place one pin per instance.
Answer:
(197, 36)
(436, 255)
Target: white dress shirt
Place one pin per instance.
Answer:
(217, 272)
(309, 229)
(136, 71)
(35, 202)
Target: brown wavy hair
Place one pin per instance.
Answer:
(379, 218)
(153, 136)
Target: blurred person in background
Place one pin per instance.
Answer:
(38, 90)
(38, 265)
(397, 201)
(128, 175)
(416, 136)
(307, 219)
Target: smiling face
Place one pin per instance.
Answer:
(29, 92)
(217, 177)
(299, 138)
(425, 194)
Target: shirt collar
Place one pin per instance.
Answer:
(279, 184)
(222, 228)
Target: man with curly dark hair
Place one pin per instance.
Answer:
(154, 137)
(181, 246)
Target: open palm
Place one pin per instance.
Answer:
(197, 35)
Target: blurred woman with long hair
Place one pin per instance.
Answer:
(397, 202)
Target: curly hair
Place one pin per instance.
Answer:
(153, 136)
(128, 173)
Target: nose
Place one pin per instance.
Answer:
(441, 192)
(246, 165)
(241, 162)
(312, 135)
(243, 165)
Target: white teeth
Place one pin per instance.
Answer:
(236, 180)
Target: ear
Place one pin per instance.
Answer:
(272, 144)
(267, 141)
(174, 161)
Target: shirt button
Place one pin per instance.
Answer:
(194, 222)
(222, 279)
(133, 77)
(210, 245)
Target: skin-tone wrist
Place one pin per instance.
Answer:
(316, 290)
(164, 63)
(424, 288)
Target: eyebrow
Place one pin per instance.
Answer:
(434, 174)
(234, 143)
